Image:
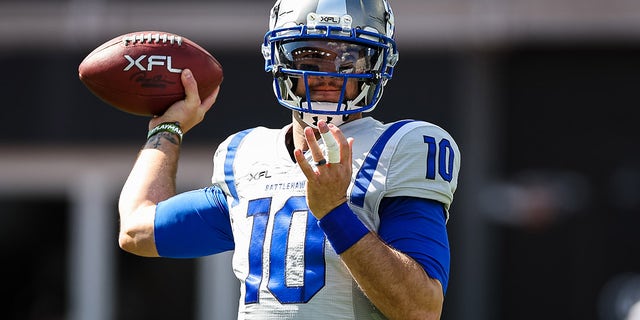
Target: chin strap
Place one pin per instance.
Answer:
(311, 119)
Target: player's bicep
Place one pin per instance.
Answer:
(193, 224)
(417, 227)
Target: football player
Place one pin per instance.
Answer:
(334, 216)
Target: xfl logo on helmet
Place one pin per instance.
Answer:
(150, 62)
(330, 19)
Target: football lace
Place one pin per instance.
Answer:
(151, 38)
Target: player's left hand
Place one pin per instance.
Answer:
(327, 183)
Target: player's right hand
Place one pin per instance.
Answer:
(191, 110)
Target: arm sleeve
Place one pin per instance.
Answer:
(193, 224)
(417, 227)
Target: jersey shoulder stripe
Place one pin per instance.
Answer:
(232, 147)
(365, 174)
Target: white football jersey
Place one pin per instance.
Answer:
(287, 268)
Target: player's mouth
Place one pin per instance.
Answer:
(327, 89)
(325, 95)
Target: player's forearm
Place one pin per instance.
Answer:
(395, 283)
(153, 177)
(151, 180)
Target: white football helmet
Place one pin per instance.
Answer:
(343, 41)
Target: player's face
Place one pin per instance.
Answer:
(328, 56)
(328, 89)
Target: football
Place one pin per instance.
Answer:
(139, 72)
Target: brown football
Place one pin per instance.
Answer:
(139, 72)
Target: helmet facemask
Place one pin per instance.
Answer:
(327, 78)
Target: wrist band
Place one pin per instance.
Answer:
(343, 228)
(173, 127)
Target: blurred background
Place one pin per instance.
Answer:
(541, 95)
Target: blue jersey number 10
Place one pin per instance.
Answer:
(311, 268)
(444, 154)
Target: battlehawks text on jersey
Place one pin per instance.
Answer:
(286, 267)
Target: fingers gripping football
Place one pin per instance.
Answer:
(191, 110)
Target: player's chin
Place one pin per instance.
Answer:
(325, 96)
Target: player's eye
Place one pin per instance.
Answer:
(346, 63)
(346, 68)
